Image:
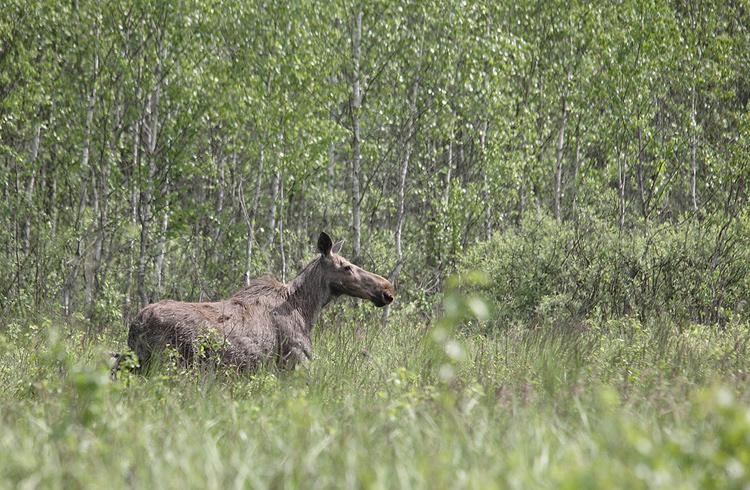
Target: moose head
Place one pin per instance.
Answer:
(345, 278)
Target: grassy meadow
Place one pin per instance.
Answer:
(415, 404)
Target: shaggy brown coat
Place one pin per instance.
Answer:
(266, 321)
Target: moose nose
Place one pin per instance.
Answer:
(387, 297)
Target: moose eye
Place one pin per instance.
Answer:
(347, 268)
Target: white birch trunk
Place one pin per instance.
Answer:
(272, 210)
(249, 216)
(693, 151)
(162, 246)
(152, 129)
(622, 172)
(281, 233)
(356, 104)
(30, 189)
(401, 213)
(559, 162)
(70, 279)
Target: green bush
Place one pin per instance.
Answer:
(548, 271)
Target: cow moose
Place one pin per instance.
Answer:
(267, 321)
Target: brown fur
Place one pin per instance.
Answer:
(266, 321)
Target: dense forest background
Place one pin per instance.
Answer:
(176, 149)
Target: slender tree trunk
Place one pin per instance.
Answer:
(639, 173)
(52, 176)
(53, 206)
(486, 196)
(281, 233)
(356, 104)
(88, 266)
(693, 151)
(448, 173)
(220, 202)
(162, 245)
(134, 214)
(400, 216)
(6, 190)
(112, 158)
(694, 19)
(446, 226)
(272, 210)
(433, 208)
(148, 187)
(13, 245)
(101, 207)
(330, 175)
(102, 219)
(521, 200)
(70, 279)
(145, 219)
(576, 169)
(485, 181)
(30, 189)
(222, 185)
(330, 169)
(622, 173)
(88, 278)
(249, 216)
(559, 162)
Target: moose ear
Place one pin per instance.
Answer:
(324, 243)
(337, 247)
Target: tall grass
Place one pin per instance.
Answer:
(412, 405)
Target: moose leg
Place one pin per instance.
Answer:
(140, 346)
(298, 357)
(295, 349)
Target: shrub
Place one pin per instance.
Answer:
(548, 271)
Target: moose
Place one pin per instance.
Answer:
(266, 322)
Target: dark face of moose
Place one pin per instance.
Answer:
(343, 277)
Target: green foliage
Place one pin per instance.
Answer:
(545, 271)
(457, 308)
(107, 309)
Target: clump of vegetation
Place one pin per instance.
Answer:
(548, 271)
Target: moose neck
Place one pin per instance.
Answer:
(308, 294)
